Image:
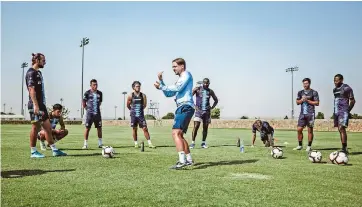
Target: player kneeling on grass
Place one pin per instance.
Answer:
(55, 117)
(136, 103)
(266, 133)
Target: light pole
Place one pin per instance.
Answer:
(11, 110)
(124, 105)
(83, 43)
(61, 101)
(24, 65)
(115, 112)
(292, 70)
(25, 112)
(4, 107)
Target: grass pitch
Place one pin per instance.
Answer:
(222, 175)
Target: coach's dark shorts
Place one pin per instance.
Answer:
(183, 116)
(93, 118)
(306, 120)
(38, 118)
(138, 121)
(341, 119)
(203, 116)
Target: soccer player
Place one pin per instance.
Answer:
(136, 103)
(185, 109)
(92, 101)
(203, 111)
(37, 106)
(343, 104)
(55, 117)
(308, 99)
(266, 133)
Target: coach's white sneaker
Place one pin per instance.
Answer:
(85, 147)
(298, 148)
(308, 149)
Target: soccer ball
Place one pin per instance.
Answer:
(315, 156)
(108, 152)
(277, 152)
(339, 158)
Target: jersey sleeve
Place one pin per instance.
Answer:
(85, 96)
(350, 93)
(315, 96)
(101, 96)
(253, 129)
(299, 95)
(30, 78)
(267, 126)
(179, 86)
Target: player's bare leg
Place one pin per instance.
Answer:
(300, 138)
(189, 160)
(134, 134)
(41, 137)
(194, 133)
(148, 137)
(35, 128)
(49, 137)
(99, 132)
(343, 136)
(86, 135)
(205, 127)
(310, 139)
(177, 136)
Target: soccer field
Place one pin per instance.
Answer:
(222, 176)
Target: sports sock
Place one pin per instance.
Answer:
(53, 147)
(99, 141)
(181, 156)
(149, 141)
(203, 142)
(300, 143)
(188, 157)
(33, 149)
(193, 142)
(344, 146)
(310, 143)
(85, 142)
(135, 142)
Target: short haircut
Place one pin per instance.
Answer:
(57, 107)
(135, 82)
(35, 57)
(206, 79)
(307, 79)
(93, 81)
(180, 61)
(340, 76)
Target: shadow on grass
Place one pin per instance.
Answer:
(322, 149)
(85, 155)
(203, 165)
(23, 173)
(355, 153)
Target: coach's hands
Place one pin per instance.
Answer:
(36, 109)
(159, 75)
(157, 84)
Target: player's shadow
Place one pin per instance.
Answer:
(86, 155)
(355, 153)
(80, 149)
(23, 173)
(165, 146)
(326, 149)
(203, 165)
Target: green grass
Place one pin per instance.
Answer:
(134, 178)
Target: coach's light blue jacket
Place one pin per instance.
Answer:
(182, 89)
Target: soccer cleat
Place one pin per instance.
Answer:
(308, 149)
(151, 146)
(100, 146)
(37, 154)
(189, 163)
(192, 146)
(204, 146)
(136, 146)
(345, 151)
(58, 153)
(178, 166)
(298, 148)
(43, 146)
(85, 147)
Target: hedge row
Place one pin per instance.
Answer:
(28, 122)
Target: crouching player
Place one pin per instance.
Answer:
(266, 133)
(55, 117)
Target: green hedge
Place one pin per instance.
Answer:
(28, 122)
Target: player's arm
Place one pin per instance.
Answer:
(194, 91)
(299, 98)
(315, 100)
(129, 101)
(85, 99)
(214, 97)
(179, 86)
(352, 101)
(31, 77)
(100, 98)
(144, 101)
(254, 135)
(166, 93)
(61, 123)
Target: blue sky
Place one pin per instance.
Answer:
(243, 47)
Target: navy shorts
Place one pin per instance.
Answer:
(93, 118)
(341, 119)
(203, 116)
(38, 118)
(183, 116)
(306, 120)
(138, 121)
(264, 136)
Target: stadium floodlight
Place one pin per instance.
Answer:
(292, 70)
(23, 65)
(124, 105)
(83, 43)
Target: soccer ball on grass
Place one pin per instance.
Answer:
(338, 158)
(108, 152)
(315, 156)
(277, 152)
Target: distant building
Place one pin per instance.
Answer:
(12, 117)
